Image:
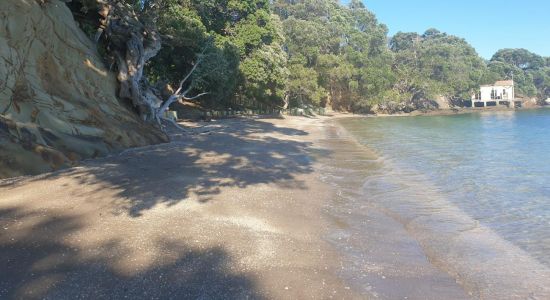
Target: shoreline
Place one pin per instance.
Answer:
(381, 258)
(477, 257)
(246, 207)
(458, 111)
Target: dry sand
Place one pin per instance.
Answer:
(236, 209)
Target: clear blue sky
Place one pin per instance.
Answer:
(488, 25)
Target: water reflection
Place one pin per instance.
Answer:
(464, 187)
(492, 165)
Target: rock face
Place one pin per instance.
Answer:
(58, 102)
(394, 107)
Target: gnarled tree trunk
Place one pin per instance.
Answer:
(132, 44)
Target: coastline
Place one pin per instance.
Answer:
(479, 259)
(380, 257)
(237, 208)
(458, 111)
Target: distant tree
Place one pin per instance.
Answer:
(520, 58)
(404, 41)
(498, 70)
(530, 71)
(276, 53)
(435, 64)
(432, 33)
(541, 80)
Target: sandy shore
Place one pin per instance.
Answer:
(234, 209)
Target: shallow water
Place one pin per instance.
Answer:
(495, 166)
(472, 190)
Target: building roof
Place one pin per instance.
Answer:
(500, 83)
(504, 83)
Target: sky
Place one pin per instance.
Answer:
(488, 25)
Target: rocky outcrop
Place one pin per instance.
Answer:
(392, 107)
(395, 107)
(58, 102)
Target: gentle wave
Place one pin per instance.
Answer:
(484, 263)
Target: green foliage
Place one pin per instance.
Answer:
(523, 81)
(265, 75)
(337, 55)
(271, 53)
(303, 87)
(541, 79)
(436, 64)
(402, 41)
(186, 42)
(530, 71)
(220, 16)
(236, 43)
(520, 58)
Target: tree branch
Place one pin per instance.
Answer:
(195, 97)
(188, 75)
(167, 104)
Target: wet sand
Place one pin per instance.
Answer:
(232, 209)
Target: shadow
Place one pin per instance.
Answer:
(232, 153)
(71, 251)
(39, 262)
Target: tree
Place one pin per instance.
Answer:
(185, 38)
(404, 41)
(435, 64)
(242, 56)
(130, 40)
(498, 70)
(342, 52)
(303, 87)
(520, 58)
(265, 75)
(529, 70)
(286, 52)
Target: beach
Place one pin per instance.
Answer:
(238, 208)
(229, 211)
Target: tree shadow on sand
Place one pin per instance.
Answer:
(237, 153)
(38, 262)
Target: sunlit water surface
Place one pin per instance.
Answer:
(493, 166)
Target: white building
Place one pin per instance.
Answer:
(500, 93)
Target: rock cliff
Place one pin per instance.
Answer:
(58, 102)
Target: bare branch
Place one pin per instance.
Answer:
(188, 75)
(195, 97)
(187, 91)
(179, 94)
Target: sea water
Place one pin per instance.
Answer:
(473, 189)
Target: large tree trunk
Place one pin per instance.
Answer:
(132, 44)
(131, 41)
